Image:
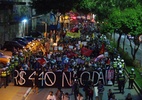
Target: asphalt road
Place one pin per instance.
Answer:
(42, 95)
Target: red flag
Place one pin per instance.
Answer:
(71, 54)
(42, 61)
(102, 49)
(86, 52)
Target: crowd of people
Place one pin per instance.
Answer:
(89, 52)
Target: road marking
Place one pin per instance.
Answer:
(26, 94)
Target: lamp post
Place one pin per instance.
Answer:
(25, 27)
(45, 28)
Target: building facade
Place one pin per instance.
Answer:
(12, 14)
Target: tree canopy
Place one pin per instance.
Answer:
(124, 15)
(45, 6)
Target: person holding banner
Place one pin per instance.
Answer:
(100, 90)
(91, 93)
(76, 89)
(86, 88)
(35, 83)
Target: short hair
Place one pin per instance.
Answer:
(66, 93)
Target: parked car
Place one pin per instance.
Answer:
(21, 38)
(9, 45)
(4, 56)
(22, 42)
(7, 53)
(4, 59)
(35, 34)
(29, 38)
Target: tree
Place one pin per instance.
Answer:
(45, 6)
(127, 21)
(134, 23)
(101, 8)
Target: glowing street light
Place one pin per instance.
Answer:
(25, 27)
(24, 20)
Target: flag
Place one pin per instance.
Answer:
(42, 61)
(99, 58)
(71, 54)
(86, 51)
(102, 50)
(73, 34)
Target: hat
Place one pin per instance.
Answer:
(120, 72)
(132, 69)
(119, 63)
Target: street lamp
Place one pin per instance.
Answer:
(45, 26)
(45, 29)
(25, 27)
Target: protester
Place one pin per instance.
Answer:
(91, 93)
(76, 89)
(109, 94)
(59, 94)
(129, 97)
(86, 88)
(71, 57)
(72, 86)
(51, 96)
(80, 96)
(36, 65)
(65, 96)
(100, 90)
(113, 97)
(35, 83)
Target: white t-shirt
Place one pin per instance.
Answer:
(51, 97)
(65, 97)
(49, 56)
(79, 98)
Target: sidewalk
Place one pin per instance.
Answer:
(12, 92)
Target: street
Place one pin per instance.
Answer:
(43, 92)
(42, 95)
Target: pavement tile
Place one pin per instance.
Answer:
(12, 92)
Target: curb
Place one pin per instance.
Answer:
(26, 94)
(138, 89)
